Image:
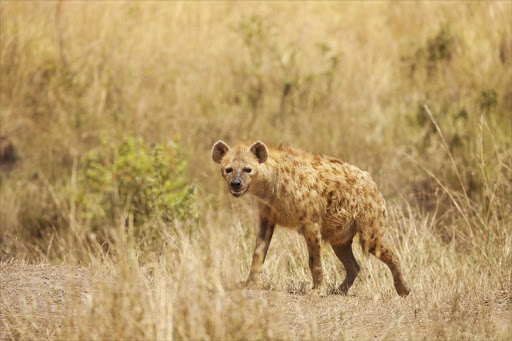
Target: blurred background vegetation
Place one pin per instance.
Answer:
(112, 108)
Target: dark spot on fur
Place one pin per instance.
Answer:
(263, 228)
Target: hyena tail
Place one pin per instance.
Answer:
(369, 243)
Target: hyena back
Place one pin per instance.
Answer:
(320, 196)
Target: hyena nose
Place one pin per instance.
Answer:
(236, 183)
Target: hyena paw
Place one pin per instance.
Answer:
(248, 284)
(320, 291)
(402, 289)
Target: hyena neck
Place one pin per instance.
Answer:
(267, 182)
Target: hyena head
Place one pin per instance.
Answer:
(240, 165)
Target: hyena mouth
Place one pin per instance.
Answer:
(238, 194)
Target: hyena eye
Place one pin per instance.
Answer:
(247, 170)
(229, 170)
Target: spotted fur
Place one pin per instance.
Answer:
(323, 198)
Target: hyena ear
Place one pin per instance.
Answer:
(220, 148)
(259, 149)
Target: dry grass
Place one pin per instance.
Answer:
(350, 79)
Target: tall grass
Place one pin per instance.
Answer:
(417, 93)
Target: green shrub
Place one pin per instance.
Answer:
(130, 177)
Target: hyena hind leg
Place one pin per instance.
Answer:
(384, 254)
(346, 256)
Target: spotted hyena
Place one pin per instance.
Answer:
(320, 196)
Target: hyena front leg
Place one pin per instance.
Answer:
(314, 243)
(260, 251)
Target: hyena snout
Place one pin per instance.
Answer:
(236, 183)
(236, 189)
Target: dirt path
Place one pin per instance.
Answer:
(40, 292)
(46, 291)
(380, 318)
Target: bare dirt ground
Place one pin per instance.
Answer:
(41, 293)
(46, 292)
(377, 318)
